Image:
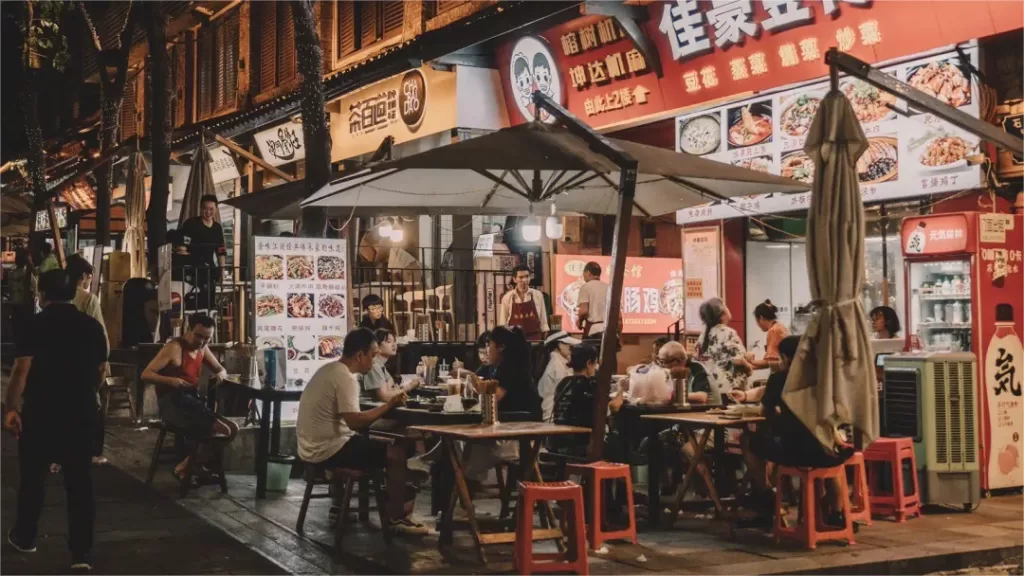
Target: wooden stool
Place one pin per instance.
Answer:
(192, 448)
(811, 530)
(890, 454)
(860, 501)
(345, 479)
(575, 557)
(596, 474)
(121, 389)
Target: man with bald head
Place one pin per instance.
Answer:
(673, 358)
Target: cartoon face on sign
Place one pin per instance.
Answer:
(532, 69)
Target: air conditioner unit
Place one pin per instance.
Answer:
(933, 399)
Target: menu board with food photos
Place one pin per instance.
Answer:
(909, 152)
(301, 301)
(652, 291)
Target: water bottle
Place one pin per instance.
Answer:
(270, 363)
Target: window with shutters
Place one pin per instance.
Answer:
(276, 32)
(177, 56)
(217, 82)
(325, 15)
(129, 126)
(361, 24)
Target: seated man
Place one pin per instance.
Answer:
(783, 439)
(378, 383)
(329, 413)
(374, 318)
(175, 372)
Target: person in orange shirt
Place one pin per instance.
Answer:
(765, 314)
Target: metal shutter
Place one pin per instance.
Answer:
(347, 41)
(268, 45)
(178, 75)
(207, 90)
(229, 57)
(286, 44)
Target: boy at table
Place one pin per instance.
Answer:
(329, 414)
(784, 440)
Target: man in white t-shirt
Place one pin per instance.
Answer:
(328, 414)
(592, 302)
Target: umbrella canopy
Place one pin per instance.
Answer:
(200, 183)
(525, 169)
(832, 378)
(135, 213)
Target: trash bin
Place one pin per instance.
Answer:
(279, 469)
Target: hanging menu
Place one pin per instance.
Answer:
(909, 153)
(301, 301)
(702, 271)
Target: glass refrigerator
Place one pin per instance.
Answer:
(965, 292)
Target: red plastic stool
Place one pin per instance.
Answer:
(597, 473)
(811, 530)
(891, 453)
(860, 501)
(575, 557)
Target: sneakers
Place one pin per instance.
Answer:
(25, 547)
(408, 527)
(79, 565)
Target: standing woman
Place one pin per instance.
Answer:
(765, 316)
(80, 272)
(720, 348)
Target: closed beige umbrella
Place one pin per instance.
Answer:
(200, 183)
(832, 379)
(135, 214)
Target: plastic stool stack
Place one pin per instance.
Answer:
(574, 559)
(811, 529)
(597, 473)
(889, 454)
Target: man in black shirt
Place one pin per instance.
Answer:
(57, 370)
(374, 318)
(204, 239)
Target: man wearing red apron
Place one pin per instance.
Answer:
(524, 307)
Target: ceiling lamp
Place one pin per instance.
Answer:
(531, 230)
(385, 228)
(397, 234)
(553, 225)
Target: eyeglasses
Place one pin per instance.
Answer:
(666, 362)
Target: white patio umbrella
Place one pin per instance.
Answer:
(135, 213)
(525, 169)
(832, 379)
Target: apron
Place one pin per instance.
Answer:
(524, 315)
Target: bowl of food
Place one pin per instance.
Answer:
(750, 124)
(331, 306)
(269, 267)
(301, 347)
(300, 305)
(300, 267)
(330, 268)
(672, 300)
(757, 163)
(269, 305)
(945, 152)
(880, 162)
(869, 103)
(944, 80)
(798, 113)
(329, 347)
(798, 166)
(700, 135)
(569, 300)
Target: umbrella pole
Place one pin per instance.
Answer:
(620, 241)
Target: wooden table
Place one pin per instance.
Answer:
(708, 422)
(530, 436)
(441, 479)
(269, 439)
(631, 422)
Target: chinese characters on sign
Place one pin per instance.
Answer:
(1006, 374)
(373, 113)
(282, 144)
(590, 37)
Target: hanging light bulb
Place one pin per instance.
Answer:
(553, 225)
(397, 234)
(531, 230)
(385, 228)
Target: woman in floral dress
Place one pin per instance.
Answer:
(720, 349)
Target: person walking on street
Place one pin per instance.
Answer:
(47, 259)
(57, 369)
(22, 282)
(80, 272)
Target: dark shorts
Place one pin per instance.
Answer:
(186, 411)
(359, 453)
(796, 450)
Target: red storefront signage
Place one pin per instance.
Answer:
(717, 50)
(934, 235)
(652, 292)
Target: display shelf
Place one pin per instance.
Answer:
(957, 296)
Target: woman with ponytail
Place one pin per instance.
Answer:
(765, 315)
